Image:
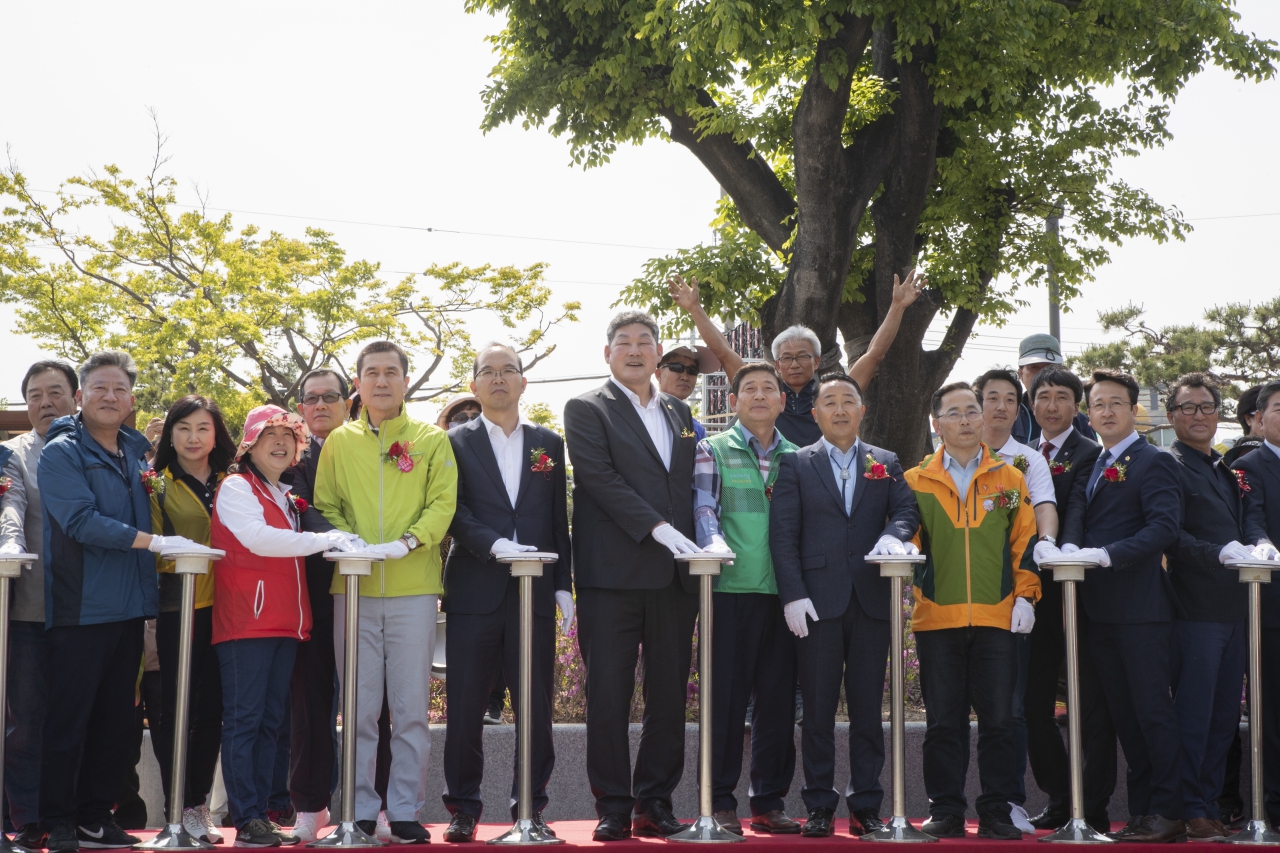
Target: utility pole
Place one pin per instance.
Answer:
(1051, 228)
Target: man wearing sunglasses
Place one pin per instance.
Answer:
(678, 371)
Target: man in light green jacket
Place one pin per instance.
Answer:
(391, 480)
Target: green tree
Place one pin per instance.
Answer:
(238, 315)
(958, 125)
(1238, 343)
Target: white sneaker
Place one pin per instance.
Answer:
(1018, 817)
(196, 822)
(309, 824)
(382, 831)
(215, 835)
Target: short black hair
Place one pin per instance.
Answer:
(1192, 380)
(379, 347)
(224, 449)
(1266, 392)
(1117, 376)
(754, 367)
(316, 374)
(632, 317)
(1059, 377)
(840, 376)
(51, 364)
(935, 404)
(998, 374)
(1247, 406)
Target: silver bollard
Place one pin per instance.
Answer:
(706, 829)
(1255, 573)
(526, 565)
(897, 828)
(352, 565)
(10, 568)
(1068, 573)
(186, 564)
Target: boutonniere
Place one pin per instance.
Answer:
(768, 493)
(1003, 499)
(688, 433)
(873, 470)
(1240, 478)
(152, 482)
(1020, 462)
(5, 484)
(399, 454)
(1114, 473)
(542, 463)
(1056, 468)
(299, 505)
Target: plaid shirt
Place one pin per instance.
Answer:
(706, 483)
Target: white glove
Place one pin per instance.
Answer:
(564, 600)
(717, 545)
(1264, 550)
(1068, 548)
(1024, 616)
(1045, 552)
(10, 548)
(160, 544)
(1094, 555)
(889, 546)
(337, 540)
(795, 613)
(391, 550)
(911, 548)
(506, 546)
(674, 540)
(1235, 551)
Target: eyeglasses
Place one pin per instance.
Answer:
(676, 367)
(464, 417)
(1113, 406)
(328, 397)
(505, 373)
(788, 360)
(966, 415)
(1189, 409)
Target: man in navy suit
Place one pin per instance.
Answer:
(512, 496)
(1132, 515)
(1259, 476)
(834, 502)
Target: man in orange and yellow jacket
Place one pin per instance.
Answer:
(976, 589)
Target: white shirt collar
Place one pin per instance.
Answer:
(1122, 445)
(490, 426)
(832, 450)
(1058, 440)
(655, 398)
(1274, 449)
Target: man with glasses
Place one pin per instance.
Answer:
(678, 374)
(512, 496)
(1133, 515)
(1211, 604)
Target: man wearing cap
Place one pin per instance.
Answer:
(678, 374)
(1035, 353)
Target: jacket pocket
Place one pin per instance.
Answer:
(259, 598)
(812, 562)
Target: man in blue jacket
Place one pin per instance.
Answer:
(100, 586)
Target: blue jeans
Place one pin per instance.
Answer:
(255, 703)
(24, 721)
(1022, 662)
(1208, 677)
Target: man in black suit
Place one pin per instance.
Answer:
(632, 449)
(512, 496)
(1259, 477)
(834, 502)
(1133, 514)
(1211, 604)
(1055, 396)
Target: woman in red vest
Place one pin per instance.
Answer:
(260, 610)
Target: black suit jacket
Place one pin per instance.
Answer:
(304, 486)
(1136, 519)
(1261, 470)
(621, 491)
(474, 581)
(1212, 515)
(817, 550)
(1077, 455)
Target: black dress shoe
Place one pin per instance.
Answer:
(1053, 817)
(1157, 829)
(614, 826)
(819, 824)
(944, 826)
(865, 821)
(775, 822)
(656, 820)
(998, 826)
(542, 825)
(1128, 829)
(461, 829)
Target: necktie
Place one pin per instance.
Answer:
(1097, 472)
(1047, 450)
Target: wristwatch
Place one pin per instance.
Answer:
(1049, 539)
(410, 541)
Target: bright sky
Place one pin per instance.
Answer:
(292, 113)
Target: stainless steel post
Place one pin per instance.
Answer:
(1077, 831)
(1255, 573)
(348, 834)
(706, 829)
(174, 836)
(897, 828)
(526, 565)
(10, 568)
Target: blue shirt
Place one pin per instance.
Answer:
(1274, 449)
(961, 475)
(844, 467)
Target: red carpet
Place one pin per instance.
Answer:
(577, 833)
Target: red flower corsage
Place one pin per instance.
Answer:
(300, 505)
(768, 493)
(5, 484)
(1056, 468)
(152, 482)
(873, 470)
(542, 463)
(1240, 478)
(1003, 499)
(399, 454)
(1114, 473)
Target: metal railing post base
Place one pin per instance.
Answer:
(899, 829)
(174, 836)
(347, 834)
(1077, 831)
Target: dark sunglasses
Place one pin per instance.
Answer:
(330, 397)
(676, 367)
(464, 417)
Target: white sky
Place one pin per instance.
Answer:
(370, 112)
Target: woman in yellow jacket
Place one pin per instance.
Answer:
(191, 459)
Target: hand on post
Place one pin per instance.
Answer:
(889, 546)
(391, 550)
(10, 548)
(795, 613)
(1094, 555)
(337, 540)
(1045, 552)
(1235, 551)
(506, 546)
(674, 540)
(1024, 616)
(160, 544)
(564, 600)
(1264, 550)
(1068, 548)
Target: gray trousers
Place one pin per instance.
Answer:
(397, 640)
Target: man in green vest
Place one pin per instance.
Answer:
(753, 652)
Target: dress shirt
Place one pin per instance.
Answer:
(842, 463)
(238, 508)
(961, 475)
(1274, 449)
(509, 451)
(1107, 458)
(706, 482)
(1039, 480)
(653, 418)
(1055, 443)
